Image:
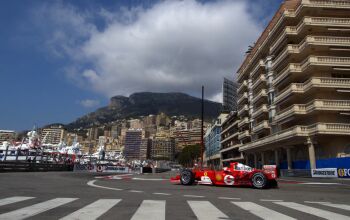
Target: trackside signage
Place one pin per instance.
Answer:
(325, 172)
(344, 173)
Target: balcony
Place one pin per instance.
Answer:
(299, 131)
(291, 68)
(261, 94)
(327, 3)
(315, 82)
(230, 126)
(259, 80)
(243, 85)
(259, 65)
(261, 126)
(230, 137)
(242, 110)
(260, 110)
(243, 134)
(242, 98)
(243, 122)
(231, 147)
(325, 22)
(316, 105)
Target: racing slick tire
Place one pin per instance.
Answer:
(259, 181)
(187, 177)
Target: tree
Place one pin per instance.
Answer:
(189, 154)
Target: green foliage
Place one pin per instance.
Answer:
(189, 155)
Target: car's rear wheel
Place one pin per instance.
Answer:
(259, 180)
(187, 177)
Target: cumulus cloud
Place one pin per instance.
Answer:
(171, 46)
(89, 103)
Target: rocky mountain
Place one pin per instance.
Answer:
(146, 103)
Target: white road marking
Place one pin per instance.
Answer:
(94, 210)
(314, 211)
(271, 200)
(92, 183)
(312, 202)
(150, 209)
(319, 183)
(338, 206)
(29, 211)
(150, 179)
(262, 212)
(135, 191)
(228, 198)
(204, 210)
(14, 199)
(194, 196)
(164, 194)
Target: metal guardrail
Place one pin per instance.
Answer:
(33, 167)
(295, 173)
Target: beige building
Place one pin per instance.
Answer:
(7, 135)
(53, 135)
(294, 87)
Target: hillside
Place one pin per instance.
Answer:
(146, 103)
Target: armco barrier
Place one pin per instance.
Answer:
(295, 173)
(33, 167)
(100, 168)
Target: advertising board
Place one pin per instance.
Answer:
(325, 173)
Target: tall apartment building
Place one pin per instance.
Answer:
(163, 149)
(229, 140)
(7, 135)
(133, 140)
(53, 135)
(294, 88)
(229, 95)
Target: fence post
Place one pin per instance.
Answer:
(7, 148)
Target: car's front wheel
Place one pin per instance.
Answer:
(259, 180)
(187, 177)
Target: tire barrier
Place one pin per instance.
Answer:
(100, 168)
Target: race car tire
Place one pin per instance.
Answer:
(259, 180)
(187, 177)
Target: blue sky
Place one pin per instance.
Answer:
(62, 59)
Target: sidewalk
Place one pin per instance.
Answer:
(345, 181)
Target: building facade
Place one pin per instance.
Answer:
(163, 149)
(7, 135)
(212, 140)
(133, 140)
(229, 140)
(53, 135)
(229, 95)
(294, 86)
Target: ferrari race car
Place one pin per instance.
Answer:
(236, 174)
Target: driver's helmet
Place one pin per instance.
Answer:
(239, 166)
(225, 168)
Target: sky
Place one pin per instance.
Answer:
(62, 59)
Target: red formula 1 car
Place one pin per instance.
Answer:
(236, 175)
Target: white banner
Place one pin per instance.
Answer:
(325, 172)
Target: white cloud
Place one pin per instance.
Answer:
(89, 103)
(172, 46)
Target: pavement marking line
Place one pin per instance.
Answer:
(14, 199)
(30, 211)
(313, 211)
(135, 191)
(228, 198)
(204, 210)
(338, 206)
(150, 179)
(319, 183)
(194, 196)
(92, 183)
(93, 210)
(150, 209)
(262, 212)
(312, 202)
(164, 194)
(271, 200)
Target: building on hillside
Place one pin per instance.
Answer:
(7, 135)
(163, 149)
(294, 86)
(145, 148)
(135, 124)
(53, 135)
(229, 140)
(212, 140)
(133, 139)
(229, 95)
(186, 137)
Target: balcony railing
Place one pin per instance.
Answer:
(244, 84)
(327, 3)
(259, 127)
(299, 131)
(316, 105)
(243, 134)
(231, 147)
(322, 82)
(291, 68)
(230, 137)
(242, 98)
(259, 80)
(259, 65)
(260, 110)
(243, 109)
(261, 94)
(244, 121)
